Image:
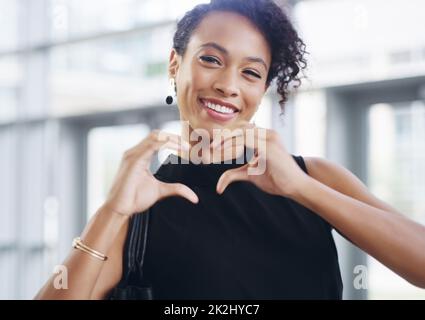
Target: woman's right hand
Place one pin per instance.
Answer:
(135, 189)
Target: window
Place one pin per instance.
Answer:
(8, 241)
(70, 19)
(106, 146)
(109, 73)
(10, 87)
(397, 176)
(9, 24)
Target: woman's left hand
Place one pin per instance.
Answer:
(271, 169)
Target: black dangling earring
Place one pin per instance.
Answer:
(169, 99)
(171, 93)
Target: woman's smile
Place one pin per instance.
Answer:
(218, 110)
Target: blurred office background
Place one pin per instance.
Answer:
(82, 81)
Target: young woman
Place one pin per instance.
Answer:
(216, 231)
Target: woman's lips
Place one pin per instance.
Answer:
(217, 115)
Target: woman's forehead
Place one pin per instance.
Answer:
(234, 32)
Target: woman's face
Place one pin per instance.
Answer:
(226, 63)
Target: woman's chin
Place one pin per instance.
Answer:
(213, 127)
(208, 125)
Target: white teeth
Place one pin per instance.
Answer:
(219, 108)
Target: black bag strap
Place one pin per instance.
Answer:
(131, 285)
(135, 249)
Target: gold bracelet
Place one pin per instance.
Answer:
(78, 244)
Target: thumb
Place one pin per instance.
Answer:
(178, 189)
(230, 176)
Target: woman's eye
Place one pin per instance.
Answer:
(253, 73)
(209, 59)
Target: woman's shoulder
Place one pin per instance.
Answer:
(343, 180)
(329, 172)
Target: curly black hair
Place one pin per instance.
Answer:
(287, 49)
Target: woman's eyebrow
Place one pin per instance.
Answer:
(255, 59)
(225, 52)
(215, 46)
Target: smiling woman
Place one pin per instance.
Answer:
(214, 61)
(237, 48)
(214, 230)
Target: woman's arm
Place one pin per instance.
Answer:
(343, 200)
(134, 190)
(105, 233)
(336, 195)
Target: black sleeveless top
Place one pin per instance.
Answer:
(243, 244)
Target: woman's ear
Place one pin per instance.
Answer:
(174, 63)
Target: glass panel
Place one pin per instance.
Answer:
(31, 278)
(32, 173)
(106, 146)
(9, 24)
(76, 18)
(109, 74)
(8, 169)
(263, 116)
(10, 87)
(370, 46)
(154, 10)
(397, 176)
(8, 273)
(310, 123)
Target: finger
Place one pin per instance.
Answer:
(166, 136)
(228, 151)
(225, 135)
(178, 189)
(258, 145)
(157, 136)
(232, 175)
(255, 165)
(254, 160)
(250, 134)
(156, 141)
(159, 146)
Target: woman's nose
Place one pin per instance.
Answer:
(227, 85)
